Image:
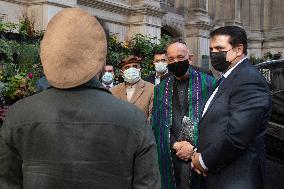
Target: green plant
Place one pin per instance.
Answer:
(28, 56)
(165, 39)
(20, 65)
(8, 50)
(19, 86)
(144, 47)
(255, 60)
(20, 68)
(266, 57)
(139, 45)
(116, 51)
(26, 26)
(2, 27)
(8, 27)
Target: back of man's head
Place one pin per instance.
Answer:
(73, 49)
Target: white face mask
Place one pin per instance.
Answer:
(107, 78)
(131, 75)
(161, 67)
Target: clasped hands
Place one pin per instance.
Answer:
(184, 150)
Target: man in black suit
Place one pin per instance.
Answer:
(160, 63)
(231, 131)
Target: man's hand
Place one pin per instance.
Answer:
(184, 150)
(195, 164)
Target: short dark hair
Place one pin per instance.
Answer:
(160, 51)
(237, 35)
(175, 40)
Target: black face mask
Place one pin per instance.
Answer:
(218, 61)
(179, 69)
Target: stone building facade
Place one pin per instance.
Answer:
(191, 20)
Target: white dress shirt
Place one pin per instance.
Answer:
(130, 91)
(108, 86)
(158, 78)
(225, 75)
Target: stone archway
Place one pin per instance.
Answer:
(170, 31)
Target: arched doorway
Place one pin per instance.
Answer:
(169, 31)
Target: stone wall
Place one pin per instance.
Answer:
(192, 20)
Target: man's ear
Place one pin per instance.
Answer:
(190, 57)
(121, 72)
(240, 49)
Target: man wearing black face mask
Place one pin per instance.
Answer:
(233, 124)
(176, 112)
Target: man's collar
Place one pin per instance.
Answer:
(161, 75)
(110, 85)
(227, 73)
(95, 83)
(139, 82)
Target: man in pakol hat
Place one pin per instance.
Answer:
(134, 89)
(61, 138)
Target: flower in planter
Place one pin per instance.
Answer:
(19, 86)
(30, 75)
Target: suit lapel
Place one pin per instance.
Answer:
(227, 83)
(138, 91)
(122, 92)
(153, 77)
(221, 89)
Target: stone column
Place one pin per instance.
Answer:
(212, 9)
(245, 13)
(232, 12)
(228, 12)
(43, 11)
(267, 14)
(179, 5)
(197, 30)
(277, 13)
(254, 30)
(11, 11)
(145, 18)
(273, 26)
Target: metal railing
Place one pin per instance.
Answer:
(273, 71)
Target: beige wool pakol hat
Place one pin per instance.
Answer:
(73, 49)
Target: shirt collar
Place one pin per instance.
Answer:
(132, 86)
(162, 75)
(227, 73)
(110, 85)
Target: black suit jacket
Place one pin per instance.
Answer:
(151, 78)
(231, 133)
